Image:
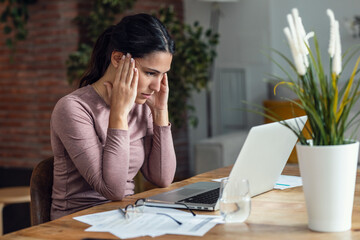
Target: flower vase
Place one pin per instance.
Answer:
(329, 174)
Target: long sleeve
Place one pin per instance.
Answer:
(92, 163)
(105, 168)
(160, 163)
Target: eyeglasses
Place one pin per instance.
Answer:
(132, 211)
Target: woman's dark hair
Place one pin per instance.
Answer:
(139, 35)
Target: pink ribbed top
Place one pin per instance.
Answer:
(94, 164)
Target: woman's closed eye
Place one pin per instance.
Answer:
(151, 74)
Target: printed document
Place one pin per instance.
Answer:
(150, 223)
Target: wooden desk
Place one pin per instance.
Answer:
(277, 214)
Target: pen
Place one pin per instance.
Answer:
(283, 184)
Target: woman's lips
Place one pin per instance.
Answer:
(145, 95)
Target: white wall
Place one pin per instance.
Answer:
(243, 29)
(249, 27)
(243, 35)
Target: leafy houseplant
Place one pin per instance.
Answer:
(328, 161)
(326, 104)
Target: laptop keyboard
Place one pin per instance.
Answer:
(209, 197)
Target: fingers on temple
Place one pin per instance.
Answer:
(120, 69)
(125, 69)
(135, 79)
(130, 73)
(165, 79)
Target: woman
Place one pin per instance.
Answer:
(116, 123)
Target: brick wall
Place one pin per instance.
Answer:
(34, 81)
(31, 85)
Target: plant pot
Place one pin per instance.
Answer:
(328, 174)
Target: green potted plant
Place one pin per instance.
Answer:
(328, 161)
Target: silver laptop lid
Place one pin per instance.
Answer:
(264, 154)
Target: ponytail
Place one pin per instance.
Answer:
(100, 58)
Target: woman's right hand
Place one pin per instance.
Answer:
(122, 92)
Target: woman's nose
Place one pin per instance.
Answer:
(155, 85)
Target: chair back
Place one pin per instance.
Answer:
(40, 191)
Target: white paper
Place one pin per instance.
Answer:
(285, 181)
(96, 218)
(150, 223)
(156, 225)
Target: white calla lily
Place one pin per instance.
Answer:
(298, 41)
(331, 49)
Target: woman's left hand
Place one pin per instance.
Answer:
(158, 103)
(159, 100)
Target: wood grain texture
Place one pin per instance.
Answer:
(277, 214)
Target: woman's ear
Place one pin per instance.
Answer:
(115, 58)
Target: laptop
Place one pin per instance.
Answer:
(261, 161)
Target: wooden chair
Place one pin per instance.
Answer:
(12, 195)
(40, 190)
